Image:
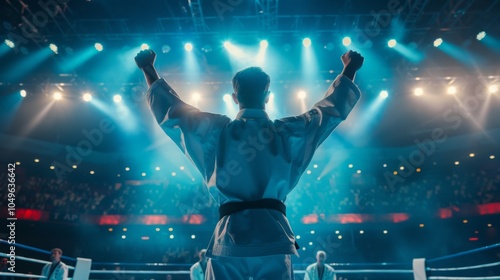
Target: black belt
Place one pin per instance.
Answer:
(266, 203)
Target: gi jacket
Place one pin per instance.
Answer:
(251, 158)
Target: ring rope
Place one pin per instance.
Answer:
(465, 253)
(21, 275)
(465, 278)
(464, 267)
(30, 260)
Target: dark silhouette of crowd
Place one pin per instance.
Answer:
(338, 192)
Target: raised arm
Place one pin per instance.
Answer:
(309, 130)
(145, 60)
(195, 132)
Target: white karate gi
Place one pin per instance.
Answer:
(248, 159)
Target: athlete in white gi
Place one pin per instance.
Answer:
(320, 270)
(250, 164)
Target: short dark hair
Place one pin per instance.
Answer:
(56, 250)
(251, 86)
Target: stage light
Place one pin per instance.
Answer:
(123, 236)
(457, 162)
(188, 47)
(157, 229)
(144, 46)
(174, 174)
(53, 48)
(196, 97)
(143, 174)
(306, 42)
(37, 160)
(472, 155)
(492, 157)
(52, 167)
(157, 168)
(350, 165)
(480, 36)
(57, 96)
(170, 229)
(359, 171)
(310, 243)
(493, 89)
(87, 97)
(98, 47)
(452, 90)
(315, 166)
(92, 172)
(384, 94)
(171, 236)
(384, 165)
(313, 232)
(308, 172)
(361, 232)
(206, 48)
(9, 43)
(401, 168)
(339, 237)
(337, 231)
(421, 225)
(297, 237)
(418, 169)
(22, 93)
(193, 236)
(301, 94)
(127, 168)
(74, 166)
(346, 41)
(227, 44)
(227, 98)
(165, 49)
(117, 98)
(385, 231)
(418, 91)
(438, 42)
(391, 43)
(465, 221)
(182, 167)
(264, 44)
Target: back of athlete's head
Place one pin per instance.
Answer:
(251, 87)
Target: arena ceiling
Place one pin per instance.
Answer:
(121, 26)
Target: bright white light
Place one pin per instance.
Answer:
(384, 94)
(182, 167)
(37, 160)
(171, 236)
(188, 47)
(361, 232)
(401, 168)
(385, 231)
(264, 44)
(457, 162)
(157, 168)
(346, 41)
(227, 44)
(492, 157)
(144, 47)
(271, 97)
(227, 98)
(315, 166)
(480, 36)
(143, 174)
(23, 93)
(384, 165)
(452, 90)
(123, 236)
(117, 98)
(493, 89)
(57, 96)
(98, 47)
(53, 48)
(196, 96)
(472, 155)
(359, 171)
(313, 232)
(74, 166)
(193, 236)
(9, 43)
(92, 172)
(87, 97)
(339, 237)
(350, 165)
(337, 231)
(438, 42)
(391, 43)
(52, 167)
(308, 172)
(418, 91)
(301, 94)
(306, 42)
(127, 168)
(174, 174)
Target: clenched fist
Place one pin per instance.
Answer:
(352, 60)
(145, 58)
